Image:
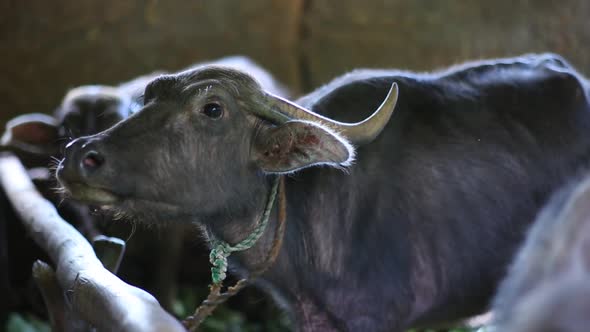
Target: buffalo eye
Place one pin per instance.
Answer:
(213, 110)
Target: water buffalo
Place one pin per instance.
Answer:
(84, 111)
(390, 224)
(37, 138)
(548, 285)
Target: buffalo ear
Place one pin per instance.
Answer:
(34, 133)
(300, 144)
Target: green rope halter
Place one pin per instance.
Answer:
(221, 249)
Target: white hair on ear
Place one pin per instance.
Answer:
(342, 139)
(338, 165)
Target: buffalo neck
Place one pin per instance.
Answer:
(239, 221)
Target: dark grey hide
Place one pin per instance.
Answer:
(418, 230)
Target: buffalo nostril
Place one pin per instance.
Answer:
(92, 160)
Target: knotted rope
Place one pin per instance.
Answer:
(222, 250)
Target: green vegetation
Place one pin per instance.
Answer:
(229, 319)
(25, 323)
(224, 319)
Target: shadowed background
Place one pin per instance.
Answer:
(48, 47)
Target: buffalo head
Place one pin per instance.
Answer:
(203, 145)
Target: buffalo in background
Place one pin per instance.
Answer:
(548, 285)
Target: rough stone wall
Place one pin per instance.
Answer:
(47, 47)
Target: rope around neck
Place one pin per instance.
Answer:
(216, 297)
(222, 250)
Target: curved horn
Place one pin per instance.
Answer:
(357, 133)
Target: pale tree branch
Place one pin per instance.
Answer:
(61, 316)
(95, 294)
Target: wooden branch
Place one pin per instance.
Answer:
(52, 294)
(61, 317)
(94, 293)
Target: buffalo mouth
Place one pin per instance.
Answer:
(90, 195)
